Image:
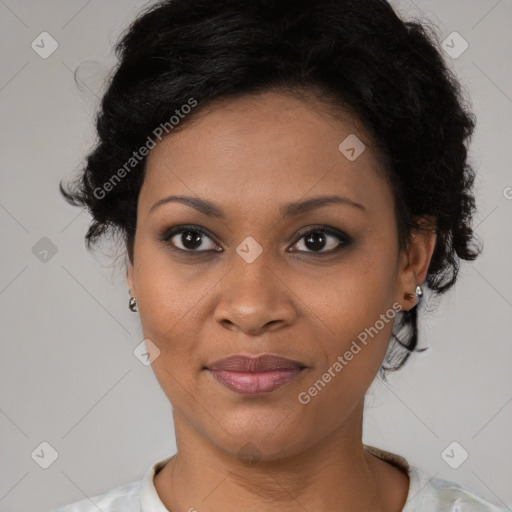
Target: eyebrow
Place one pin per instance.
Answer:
(288, 210)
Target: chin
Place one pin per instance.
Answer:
(261, 438)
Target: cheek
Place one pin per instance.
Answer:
(168, 310)
(354, 303)
(167, 301)
(354, 293)
(357, 318)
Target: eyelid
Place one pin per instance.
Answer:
(343, 238)
(171, 232)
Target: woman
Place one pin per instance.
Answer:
(288, 178)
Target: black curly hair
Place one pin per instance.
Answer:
(356, 55)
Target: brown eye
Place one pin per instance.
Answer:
(321, 240)
(189, 239)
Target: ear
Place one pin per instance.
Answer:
(414, 262)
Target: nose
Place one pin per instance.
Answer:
(254, 298)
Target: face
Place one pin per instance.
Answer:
(255, 275)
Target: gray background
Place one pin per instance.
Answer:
(68, 375)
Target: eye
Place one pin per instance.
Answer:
(189, 239)
(323, 237)
(194, 239)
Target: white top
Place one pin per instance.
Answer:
(425, 494)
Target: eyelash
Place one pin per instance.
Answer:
(342, 237)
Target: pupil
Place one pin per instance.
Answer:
(188, 239)
(315, 241)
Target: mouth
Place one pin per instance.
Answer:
(255, 375)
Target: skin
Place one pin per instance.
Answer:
(249, 156)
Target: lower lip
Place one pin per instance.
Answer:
(253, 383)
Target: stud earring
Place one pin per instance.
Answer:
(133, 305)
(418, 292)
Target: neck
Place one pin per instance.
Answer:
(335, 474)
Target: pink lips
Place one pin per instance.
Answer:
(254, 375)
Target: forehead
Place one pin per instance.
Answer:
(261, 149)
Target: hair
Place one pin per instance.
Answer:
(355, 55)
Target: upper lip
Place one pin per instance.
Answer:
(264, 362)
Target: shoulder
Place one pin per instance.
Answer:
(428, 494)
(125, 497)
(139, 496)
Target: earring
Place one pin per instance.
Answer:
(133, 305)
(418, 292)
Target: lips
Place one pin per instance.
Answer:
(263, 363)
(254, 375)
